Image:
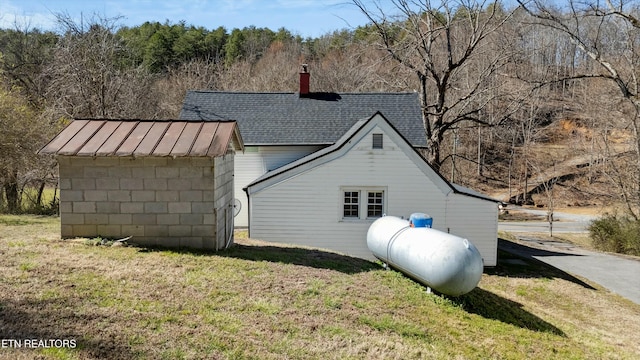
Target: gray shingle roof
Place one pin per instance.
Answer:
(319, 118)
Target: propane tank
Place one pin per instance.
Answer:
(444, 262)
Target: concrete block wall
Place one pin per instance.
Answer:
(156, 200)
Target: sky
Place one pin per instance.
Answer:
(307, 18)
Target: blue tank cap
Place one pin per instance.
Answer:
(420, 220)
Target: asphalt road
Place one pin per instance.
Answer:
(619, 274)
(564, 223)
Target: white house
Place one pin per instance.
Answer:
(284, 133)
(329, 198)
(278, 128)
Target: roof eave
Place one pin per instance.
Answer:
(291, 144)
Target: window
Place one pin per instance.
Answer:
(351, 204)
(363, 203)
(377, 141)
(375, 204)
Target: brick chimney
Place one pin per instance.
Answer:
(304, 80)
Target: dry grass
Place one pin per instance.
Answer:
(580, 239)
(520, 215)
(264, 301)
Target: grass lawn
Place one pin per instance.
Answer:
(263, 301)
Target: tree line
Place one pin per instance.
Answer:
(495, 82)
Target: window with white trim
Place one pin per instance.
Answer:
(351, 207)
(375, 204)
(363, 203)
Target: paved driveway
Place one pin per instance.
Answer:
(619, 274)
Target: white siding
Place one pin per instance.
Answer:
(477, 221)
(304, 204)
(248, 166)
(255, 162)
(307, 209)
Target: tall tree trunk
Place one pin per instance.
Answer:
(11, 191)
(434, 154)
(634, 206)
(40, 192)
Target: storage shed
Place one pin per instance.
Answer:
(167, 183)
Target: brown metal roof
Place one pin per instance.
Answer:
(145, 138)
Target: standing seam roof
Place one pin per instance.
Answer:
(143, 138)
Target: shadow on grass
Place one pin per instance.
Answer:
(55, 319)
(301, 256)
(495, 307)
(287, 255)
(516, 260)
(492, 306)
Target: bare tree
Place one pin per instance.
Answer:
(26, 52)
(445, 44)
(192, 75)
(607, 34)
(90, 76)
(275, 70)
(355, 68)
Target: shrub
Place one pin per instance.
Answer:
(616, 234)
(30, 203)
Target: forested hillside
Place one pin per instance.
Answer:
(534, 102)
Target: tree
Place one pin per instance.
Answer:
(23, 82)
(251, 43)
(192, 75)
(607, 34)
(446, 45)
(159, 49)
(26, 52)
(21, 134)
(233, 46)
(215, 42)
(92, 75)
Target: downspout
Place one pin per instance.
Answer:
(446, 212)
(226, 246)
(230, 207)
(246, 191)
